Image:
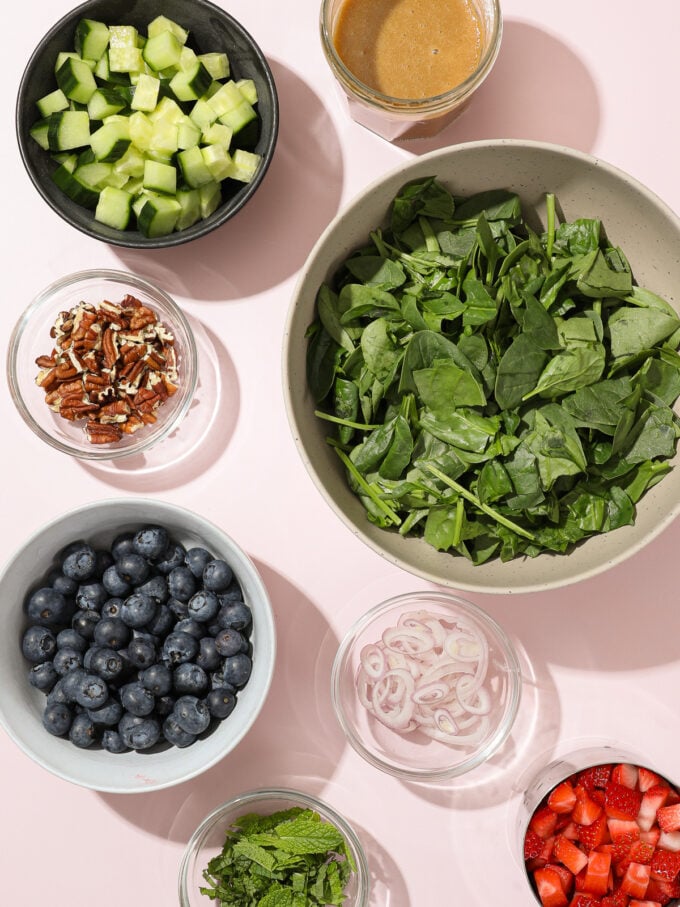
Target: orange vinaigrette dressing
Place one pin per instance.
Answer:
(409, 49)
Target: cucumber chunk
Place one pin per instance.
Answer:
(114, 207)
(159, 216)
(76, 80)
(92, 39)
(160, 177)
(162, 23)
(162, 50)
(68, 129)
(52, 103)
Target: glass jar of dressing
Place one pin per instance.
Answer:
(407, 68)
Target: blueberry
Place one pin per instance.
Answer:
(141, 653)
(136, 699)
(217, 575)
(196, 559)
(230, 642)
(60, 583)
(108, 714)
(179, 648)
(66, 660)
(164, 705)
(69, 639)
(57, 718)
(217, 679)
(178, 608)
(70, 684)
(172, 557)
(138, 609)
(105, 662)
(181, 583)
(234, 615)
(233, 594)
(112, 632)
(133, 568)
(203, 605)
(114, 583)
(162, 623)
(190, 678)
(111, 608)
(92, 691)
(57, 694)
(157, 678)
(48, 607)
(43, 676)
(139, 733)
(191, 714)
(221, 702)
(82, 731)
(38, 644)
(91, 596)
(84, 622)
(175, 735)
(112, 742)
(80, 564)
(190, 626)
(208, 657)
(237, 669)
(156, 587)
(151, 542)
(122, 545)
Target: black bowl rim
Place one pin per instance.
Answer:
(133, 239)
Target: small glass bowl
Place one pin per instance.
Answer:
(413, 754)
(31, 339)
(208, 839)
(403, 118)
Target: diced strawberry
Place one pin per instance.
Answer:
(668, 817)
(662, 891)
(669, 840)
(621, 802)
(597, 873)
(583, 899)
(570, 831)
(543, 822)
(651, 836)
(533, 845)
(622, 846)
(586, 810)
(594, 777)
(665, 865)
(563, 798)
(549, 888)
(591, 836)
(615, 899)
(641, 852)
(634, 902)
(619, 827)
(636, 880)
(652, 800)
(626, 774)
(569, 855)
(647, 778)
(566, 878)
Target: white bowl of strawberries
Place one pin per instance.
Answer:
(603, 831)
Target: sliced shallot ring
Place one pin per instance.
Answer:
(372, 660)
(429, 693)
(408, 641)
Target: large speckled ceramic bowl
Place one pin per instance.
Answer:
(634, 218)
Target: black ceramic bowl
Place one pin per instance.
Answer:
(210, 29)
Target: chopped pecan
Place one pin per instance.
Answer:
(99, 433)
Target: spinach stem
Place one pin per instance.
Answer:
(363, 484)
(338, 421)
(473, 499)
(550, 239)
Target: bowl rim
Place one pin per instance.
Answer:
(297, 797)
(358, 528)
(134, 239)
(452, 603)
(146, 509)
(147, 439)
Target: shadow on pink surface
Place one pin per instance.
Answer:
(269, 239)
(625, 619)
(293, 743)
(539, 90)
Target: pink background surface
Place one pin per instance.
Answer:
(601, 658)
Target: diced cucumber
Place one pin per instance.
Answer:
(159, 216)
(248, 89)
(131, 163)
(105, 102)
(188, 58)
(92, 39)
(146, 93)
(217, 64)
(191, 84)
(160, 177)
(244, 165)
(203, 114)
(65, 159)
(68, 129)
(162, 50)
(76, 80)
(123, 36)
(94, 174)
(114, 207)
(164, 138)
(210, 196)
(40, 132)
(125, 59)
(190, 202)
(218, 161)
(103, 73)
(217, 134)
(238, 117)
(70, 185)
(231, 107)
(188, 133)
(141, 128)
(167, 110)
(52, 103)
(193, 167)
(64, 55)
(111, 140)
(162, 23)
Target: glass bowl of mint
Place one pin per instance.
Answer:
(304, 845)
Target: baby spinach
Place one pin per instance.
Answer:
(497, 391)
